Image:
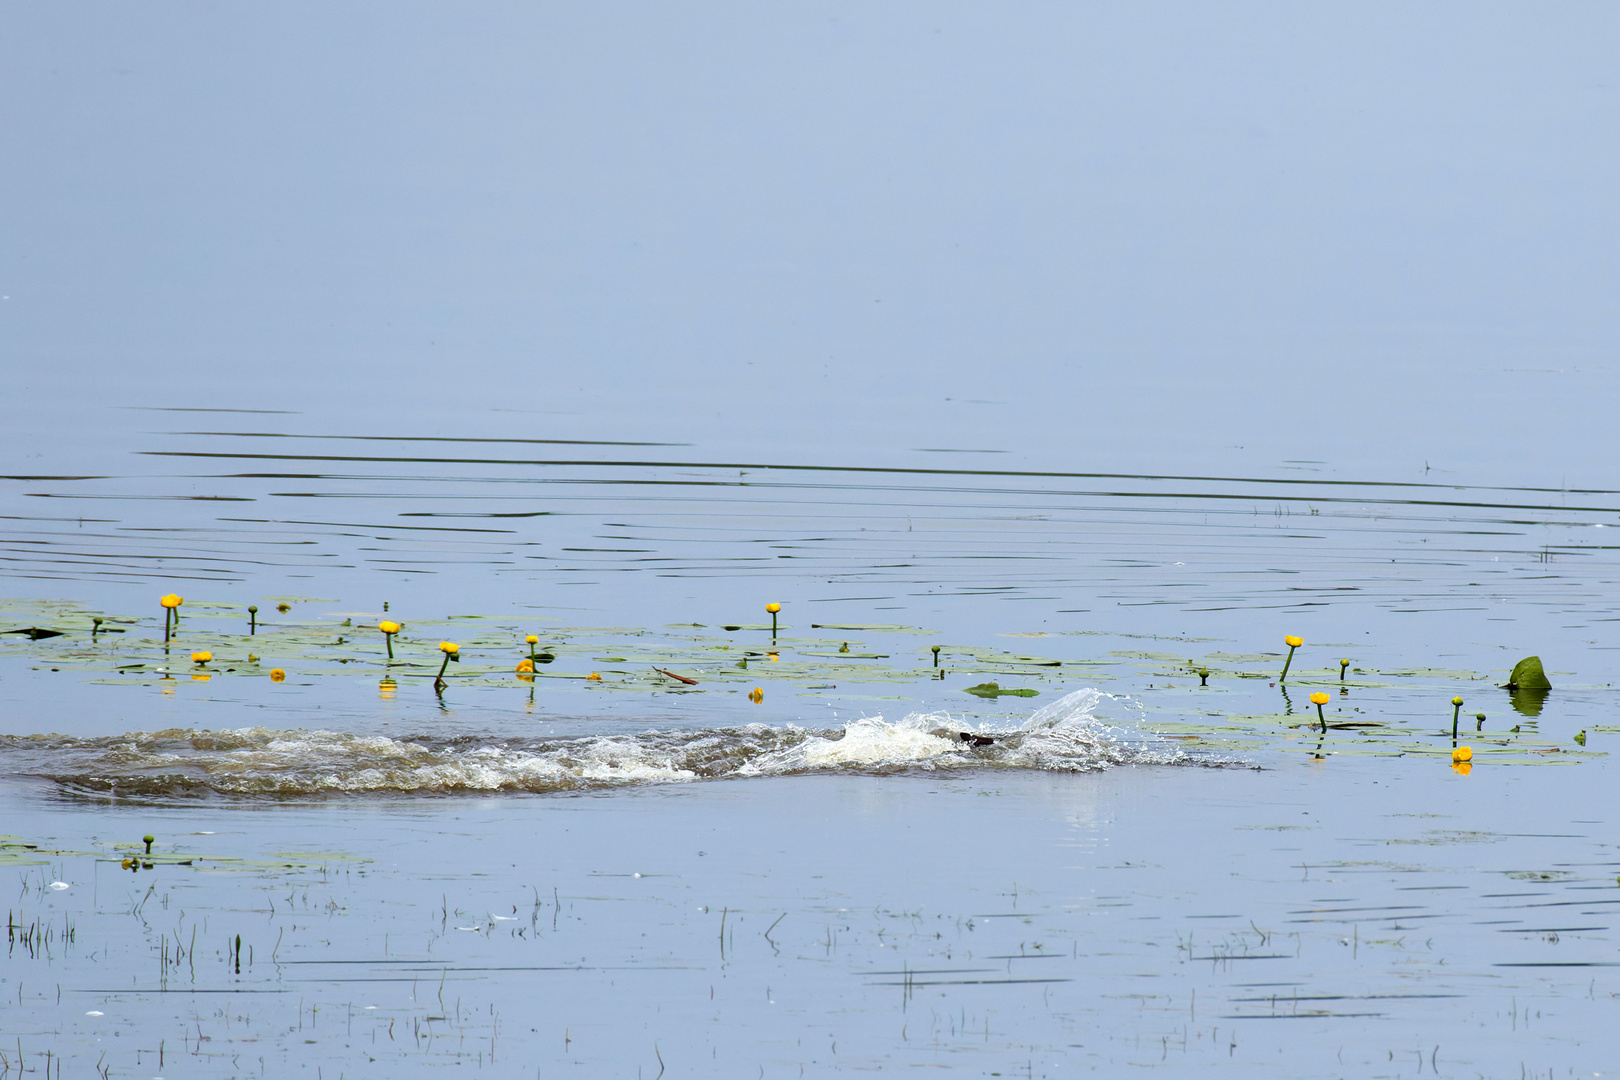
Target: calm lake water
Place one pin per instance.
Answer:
(1093, 347)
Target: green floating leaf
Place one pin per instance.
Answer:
(991, 690)
(1528, 675)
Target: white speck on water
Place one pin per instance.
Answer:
(635, 875)
(57, 885)
(95, 1012)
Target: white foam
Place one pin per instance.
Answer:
(868, 743)
(1065, 735)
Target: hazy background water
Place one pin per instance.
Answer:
(1170, 239)
(1367, 244)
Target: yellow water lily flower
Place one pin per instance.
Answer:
(773, 608)
(201, 657)
(1320, 699)
(277, 675)
(1293, 643)
(389, 628)
(525, 666)
(449, 648)
(1463, 753)
(171, 601)
(593, 676)
(532, 639)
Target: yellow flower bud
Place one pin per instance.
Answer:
(1320, 698)
(773, 608)
(1456, 701)
(1293, 642)
(388, 626)
(532, 639)
(449, 647)
(171, 601)
(201, 657)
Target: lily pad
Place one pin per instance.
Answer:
(1528, 675)
(992, 690)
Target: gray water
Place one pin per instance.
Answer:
(1093, 346)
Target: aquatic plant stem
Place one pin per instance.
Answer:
(1321, 718)
(1286, 663)
(438, 680)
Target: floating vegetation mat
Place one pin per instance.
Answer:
(1220, 706)
(130, 648)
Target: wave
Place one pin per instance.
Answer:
(1065, 735)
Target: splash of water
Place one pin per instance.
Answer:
(1065, 735)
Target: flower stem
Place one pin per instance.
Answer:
(1283, 677)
